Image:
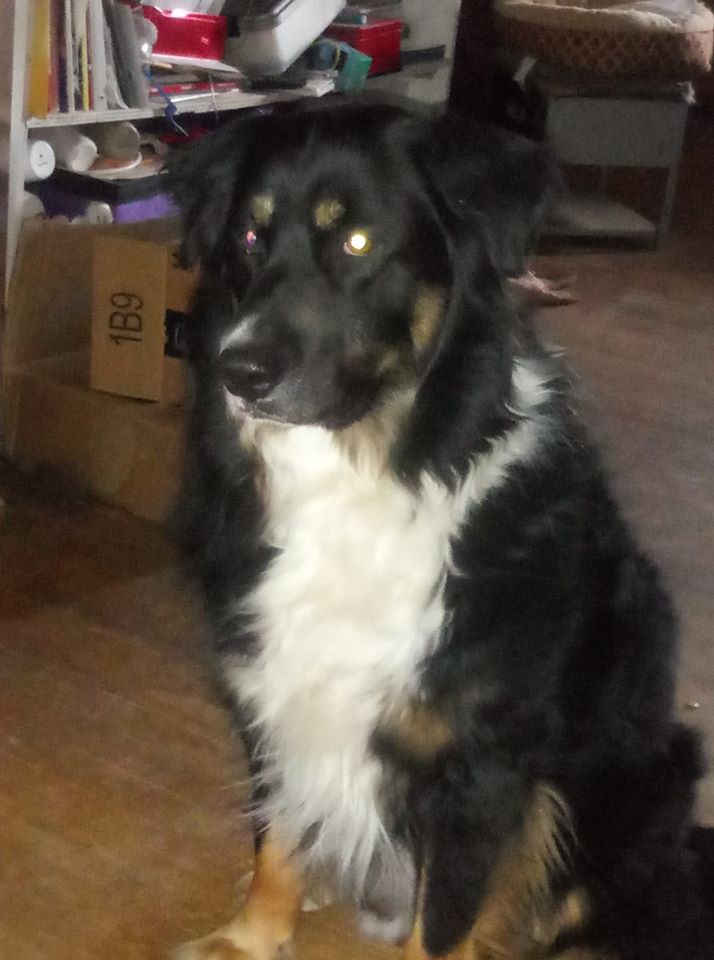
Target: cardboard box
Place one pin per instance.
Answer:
(136, 284)
(126, 452)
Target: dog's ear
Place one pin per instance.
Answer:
(481, 174)
(202, 178)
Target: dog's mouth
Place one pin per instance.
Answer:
(242, 409)
(337, 415)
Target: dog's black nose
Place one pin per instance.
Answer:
(250, 372)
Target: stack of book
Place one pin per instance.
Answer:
(85, 55)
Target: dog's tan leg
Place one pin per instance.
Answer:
(494, 937)
(521, 916)
(264, 926)
(414, 948)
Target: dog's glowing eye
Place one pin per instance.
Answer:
(358, 243)
(250, 239)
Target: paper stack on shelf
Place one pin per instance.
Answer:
(182, 86)
(180, 78)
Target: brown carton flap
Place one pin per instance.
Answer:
(128, 310)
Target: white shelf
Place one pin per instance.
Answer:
(203, 103)
(86, 116)
(597, 216)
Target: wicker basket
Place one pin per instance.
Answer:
(606, 42)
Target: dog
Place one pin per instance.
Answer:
(449, 662)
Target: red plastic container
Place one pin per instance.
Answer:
(379, 39)
(183, 34)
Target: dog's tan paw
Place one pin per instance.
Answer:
(234, 944)
(210, 948)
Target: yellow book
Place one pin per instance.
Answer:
(39, 72)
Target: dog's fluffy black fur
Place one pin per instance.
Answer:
(554, 659)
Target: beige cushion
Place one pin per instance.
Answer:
(612, 39)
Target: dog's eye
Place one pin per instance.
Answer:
(358, 243)
(250, 240)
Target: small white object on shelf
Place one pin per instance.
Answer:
(73, 149)
(96, 213)
(40, 161)
(32, 206)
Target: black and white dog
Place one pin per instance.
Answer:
(451, 666)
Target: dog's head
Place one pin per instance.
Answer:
(334, 241)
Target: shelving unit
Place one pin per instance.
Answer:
(14, 127)
(201, 104)
(639, 124)
(13, 132)
(125, 451)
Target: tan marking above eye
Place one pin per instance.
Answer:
(262, 208)
(328, 213)
(427, 314)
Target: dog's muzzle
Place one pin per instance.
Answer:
(250, 372)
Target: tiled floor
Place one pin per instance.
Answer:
(120, 831)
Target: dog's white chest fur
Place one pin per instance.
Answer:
(345, 614)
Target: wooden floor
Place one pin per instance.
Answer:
(120, 787)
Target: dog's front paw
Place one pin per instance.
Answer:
(215, 947)
(235, 942)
